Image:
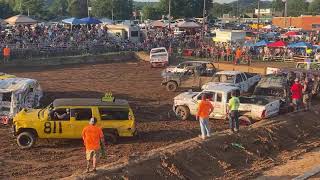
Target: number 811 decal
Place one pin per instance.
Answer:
(49, 129)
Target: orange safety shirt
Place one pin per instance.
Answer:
(6, 52)
(204, 108)
(91, 136)
(238, 53)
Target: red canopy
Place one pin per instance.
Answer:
(291, 33)
(278, 44)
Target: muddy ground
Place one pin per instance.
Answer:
(136, 82)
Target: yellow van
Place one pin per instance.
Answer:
(66, 118)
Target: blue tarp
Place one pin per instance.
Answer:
(300, 45)
(73, 21)
(261, 43)
(90, 20)
(248, 44)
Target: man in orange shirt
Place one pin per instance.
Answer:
(238, 56)
(92, 136)
(205, 108)
(6, 54)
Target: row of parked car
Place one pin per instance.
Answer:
(269, 95)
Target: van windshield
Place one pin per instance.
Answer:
(159, 55)
(158, 51)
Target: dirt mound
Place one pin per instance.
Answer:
(224, 156)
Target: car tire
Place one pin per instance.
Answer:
(110, 138)
(244, 121)
(26, 140)
(182, 112)
(172, 86)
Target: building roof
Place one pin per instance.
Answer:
(20, 19)
(88, 102)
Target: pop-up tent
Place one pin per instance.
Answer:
(300, 45)
(291, 33)
(277, 44)
(20, 19)
(90, 20)
(190, 25)
(158, 24)
(72, 21)
(261, 43)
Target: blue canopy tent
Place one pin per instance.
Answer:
(90, 20)
(261, 43)
(72, 21)
(300, 45)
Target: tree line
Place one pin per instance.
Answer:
(122, 9)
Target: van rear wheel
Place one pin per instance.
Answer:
(26, 140)
(110, 138)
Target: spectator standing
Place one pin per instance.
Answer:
(307, 94)
(6, 54)
(92, 137)
(205, 108)
(296, 91)
(238, 56)
(234, 104)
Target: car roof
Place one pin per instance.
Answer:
(15, 84)
(229, 72)
(88, 102)
(222, 88)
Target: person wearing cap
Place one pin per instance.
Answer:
(205, 108)
(92, 136)
(296, 91)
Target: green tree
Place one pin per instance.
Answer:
(5, 9)
(59, 8)
(33, 7)
(297, 7)
(151, 12)
(278, 5)
(122, 9)
(78, 8)
(219, 9)
(184, 8)
(314, 7)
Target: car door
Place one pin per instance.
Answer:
(80, 117)
(189, 79)
(219, 106)
(53, 127)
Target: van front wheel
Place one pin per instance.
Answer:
(110, 138)
(26, 140)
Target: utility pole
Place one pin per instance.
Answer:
(258, 19)
(88, 8)
(112, 11)
(203, 18)
(169, 15)
(285, 12)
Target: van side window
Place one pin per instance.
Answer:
(219, 97)
(60, 114)
(210, 95)
(114, 114)
(83, 114)
(238, 79)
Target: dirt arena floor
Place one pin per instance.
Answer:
(136, 82)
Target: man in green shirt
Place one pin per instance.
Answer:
(233, 107)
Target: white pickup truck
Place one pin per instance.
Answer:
(159, 57)
(251, 108)
(245, 81)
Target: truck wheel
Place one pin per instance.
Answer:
(172, 86)
(26, 140)
(110, 138)
(182, 112)
(244, 121)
